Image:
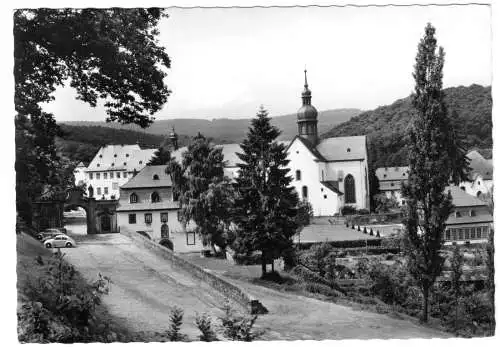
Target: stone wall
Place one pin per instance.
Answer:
(228, 289)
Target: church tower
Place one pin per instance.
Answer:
(173, 139)
(307, 116)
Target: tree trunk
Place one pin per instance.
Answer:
(263, 263)
(272, 265)
(425, 313)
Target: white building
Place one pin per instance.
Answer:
(113, 166)
(331, 172)
(147, 204)
(481, 175)
(390, 180)
(80, 176)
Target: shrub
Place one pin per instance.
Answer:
(378, 233)
(204, 324)
(363, 211)
(319, 288)
(238, 328)
(371, 232)
(308, 276)
(348, 210)
(173, 332)
(244, 259)
(167, 243)
(145, 234)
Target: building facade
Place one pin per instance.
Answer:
(147, 205)
(390, 180)
(481, 176)
(113, 166)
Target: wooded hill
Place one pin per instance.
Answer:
(386, 126)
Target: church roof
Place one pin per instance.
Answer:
(120, 157)
(333, 186)
(144, 179)
(343, 148)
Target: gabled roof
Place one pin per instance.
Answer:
(343, 148)
(462, 199)
(309, 146)
(392, 173)
(333, 186)
(480, 166)
(81, 164)
(144, 179)
(120, 157)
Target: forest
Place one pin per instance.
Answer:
(386, 126)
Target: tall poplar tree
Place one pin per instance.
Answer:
(436, 160)
(266, 204)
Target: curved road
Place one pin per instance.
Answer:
(146, 287)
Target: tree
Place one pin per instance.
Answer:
(266, 205)
(104, 54)
(204, 193)
(160, 157)
(385, 204)
(457, 262)
(436, 159)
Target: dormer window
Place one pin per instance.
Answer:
(98, 165)
(155, 197)
(127, 155)
(155, 177)
(112, 164)
(385, 175)
(458, 214)
(472, 213)
(133, 198)
(116, 155)
(404, 174)
(124, 164)
(348, 149)
(140, 162)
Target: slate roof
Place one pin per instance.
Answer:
(146, 206)
(333, 186)
(480, 166)
(343, 148)
(462, 199)
(144, 179)
(392, 173)
(120, 157)
(452, 219)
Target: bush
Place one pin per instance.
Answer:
(308, 276)
(173, 332)
(167, 243)
(363, 211)
(204, 324)
(319, 289)
(348, 210)
(244, 259)
(238, 328)
(145, 234)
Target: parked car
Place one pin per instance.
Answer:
(60, 241)
(48, 234)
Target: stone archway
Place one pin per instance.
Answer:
(101, 214)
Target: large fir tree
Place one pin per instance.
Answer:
(436, 160)
(266, 204)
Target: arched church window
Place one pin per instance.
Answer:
(349, 190)
(298, 175)
(155, 177)
(133, 198)
(304, 192)
(155, 197)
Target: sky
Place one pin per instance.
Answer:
(227, 62)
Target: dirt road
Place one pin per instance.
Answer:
(146, 287)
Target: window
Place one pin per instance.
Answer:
(98, 165)
(148, 218)
(131, 218)
(124, 175)
(324, 196)
(472, 213)
(127, 155)
(133, 198)
(179, 216)
(458, 214)
(99, 191)
(140, 162)
(304, 192)
(117, 175)
(100, 155)
(349, 190)
(463, 188)
(484, 232)
(190, 238)
(124, 163)
(447, 234)
(175, 196)
(112, 164)
(164, 231)
(322, 175)
(155, 197)
(461, 234)
(478, 194)
(164, 217)
(111, 175)
(385, 175)
(392, 184)
(348, 150)
(91, 176)
(478, 183)
(105, 190)
(114, 186)
(297, 175)
(155, 177)
(105, 175)
(98, 176)
(472, 233)
(115, 155)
